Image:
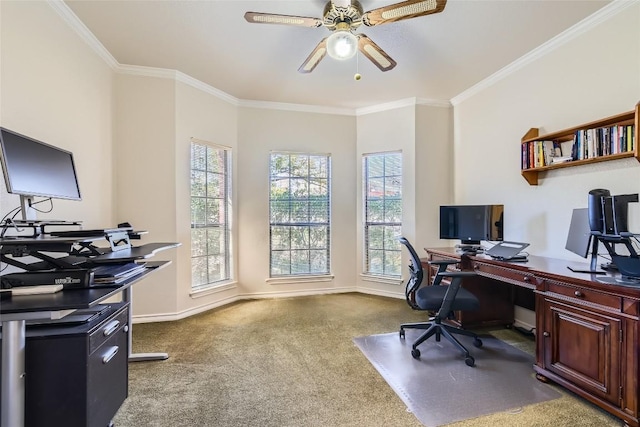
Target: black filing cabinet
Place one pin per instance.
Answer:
(77, 375)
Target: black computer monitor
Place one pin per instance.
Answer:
(579, 236)
(472, 223)
(580, 241)
(33, 168)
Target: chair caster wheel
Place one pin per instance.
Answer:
(477, 342)
(470, 361)
(415, 353)
(401, 333)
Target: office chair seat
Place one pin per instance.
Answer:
(431, 297)
(440, 298)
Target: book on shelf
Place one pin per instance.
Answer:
(561, 159)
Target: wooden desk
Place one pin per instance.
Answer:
(587, 333)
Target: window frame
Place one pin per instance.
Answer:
(225, 198)
(292, 225)
(396, 249)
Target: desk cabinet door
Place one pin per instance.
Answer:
(583, 347)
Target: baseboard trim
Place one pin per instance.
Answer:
(169, 317)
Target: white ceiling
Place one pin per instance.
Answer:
(439, 56)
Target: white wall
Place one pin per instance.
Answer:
(204, 117)
(595, 75)
(259, 133)
(54, 88)
(433, 173)
(145, 171)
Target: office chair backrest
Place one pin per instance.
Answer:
(417, 274)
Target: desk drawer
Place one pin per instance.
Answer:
(108, 329)
(586, 296)
(503, 274)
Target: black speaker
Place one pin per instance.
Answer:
(597, 209)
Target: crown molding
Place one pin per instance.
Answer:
(407, 102)
(197, 84)
(85, 34)
(268, 105)
(602, 15)
(433, 102)
(164, 73)
(139, 70)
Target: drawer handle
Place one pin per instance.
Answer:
(546, 334)
(111, 328)
(578, 294)
(526, 279)
(112, 352)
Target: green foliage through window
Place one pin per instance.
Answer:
(299, 214)
(382, 183)
(210, 205)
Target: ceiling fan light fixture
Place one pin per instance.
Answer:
(342, 45)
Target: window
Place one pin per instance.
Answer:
(299, 212)
(210, 210)
(382, 213)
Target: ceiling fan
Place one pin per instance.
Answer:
(342, 18)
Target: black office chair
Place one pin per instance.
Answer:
(441, 299)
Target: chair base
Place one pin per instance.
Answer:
(437, 328)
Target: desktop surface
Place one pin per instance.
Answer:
(554, 268)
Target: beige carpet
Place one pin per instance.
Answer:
(292, 362)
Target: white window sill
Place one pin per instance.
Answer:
(380, 279)
(299, 279)
(212, 289)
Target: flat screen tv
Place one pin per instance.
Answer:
(472, 223)
(33, 168)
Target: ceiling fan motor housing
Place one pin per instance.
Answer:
(335, 16)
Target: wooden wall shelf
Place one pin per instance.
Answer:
(629, 118)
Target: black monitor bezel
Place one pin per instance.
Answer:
(487, 235)
(26, 193)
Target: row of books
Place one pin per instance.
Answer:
(586, 144)
(604, 141)
(536, 154)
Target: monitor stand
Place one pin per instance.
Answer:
(28, 213)
(585, 269)
(469, 249)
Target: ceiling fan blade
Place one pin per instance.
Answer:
(403, 10)
(372, 51)
(315, 57)
(272, 18)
